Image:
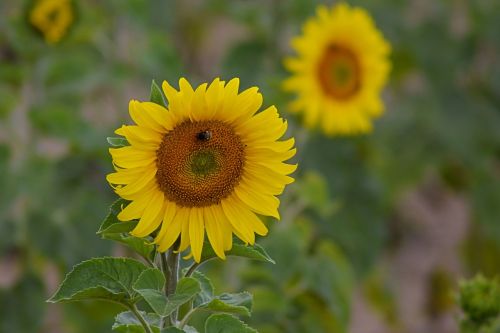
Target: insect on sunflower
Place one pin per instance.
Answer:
(340, 69)
(207, 164)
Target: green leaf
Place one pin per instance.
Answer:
(207, 289)
(255, 252)
(187, 288)
(139, 245)
(101, 279)
(149, 285)
(313, 191)
(330, 276)
(240, 304)
(126, 322)
(151, 278)
(225, 323)
(185, 329)
(132, 328)
(189, 329)
(156, 96)
(172, 330)
(117, 141)
(111, 224)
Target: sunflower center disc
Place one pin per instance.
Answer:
(339, 72)
(199, 163)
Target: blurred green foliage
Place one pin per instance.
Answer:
(58, 104)
(479, 299)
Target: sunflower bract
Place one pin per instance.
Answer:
(209, 165)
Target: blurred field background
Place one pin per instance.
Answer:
(376, 232)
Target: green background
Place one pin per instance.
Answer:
(376, 231)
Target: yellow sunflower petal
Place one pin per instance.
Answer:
(141, 184)
(130, 157)
(141, 137)
(232, 211)
(215, 232)
(127, 176)
(196, 232)
(152, 216)
(169, 231)
(158, 114)
(182, 217)
(142, 117)
(226, 228)
(261, 203)
(135, 209)
(199, 106)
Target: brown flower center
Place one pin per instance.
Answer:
(339, 72)
(199, 163)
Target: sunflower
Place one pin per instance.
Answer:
(341, 67)
(209, 163)
(52, 18)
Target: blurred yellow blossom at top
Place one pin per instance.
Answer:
(52, 18)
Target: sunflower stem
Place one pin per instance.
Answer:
(170, 268)
(138, 315)
(192, 268)
(173, 266)
(186, 318)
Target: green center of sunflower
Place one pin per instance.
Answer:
(199, 163)
(203, 163)
(339, 72)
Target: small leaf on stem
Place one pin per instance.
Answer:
(225, 323)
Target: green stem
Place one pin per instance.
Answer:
(166, 271)
(192, 269)
(138, 315)
(186, 318)
(170, 268)
(173, 266)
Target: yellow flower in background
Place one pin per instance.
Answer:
(207, 164)
(340, 69)
(52, 18)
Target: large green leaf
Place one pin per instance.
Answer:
(111, 224)
(101, 278)
(207, 289)
(126, 322)
(225, 323)
(255, 252)
(149, 285)
(240, 304)
(151, 278)
(187, 289)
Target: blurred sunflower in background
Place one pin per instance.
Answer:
(340, 69)
(208, 163)
(52, 18)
